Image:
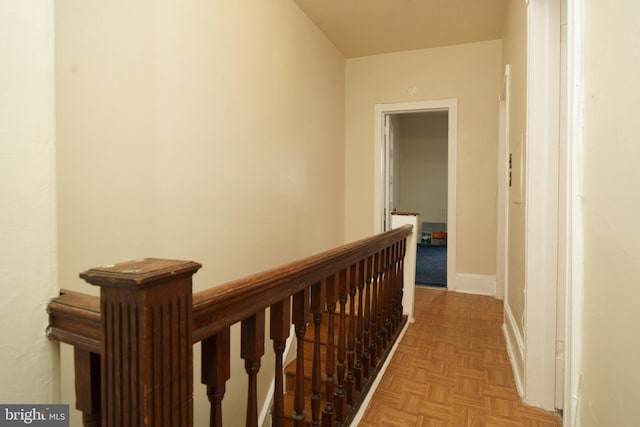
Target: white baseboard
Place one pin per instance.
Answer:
(479, 284)
(264, 419)
(515, 348)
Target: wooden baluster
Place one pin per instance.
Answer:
(252, 350)
(350, 381)
(380, 304)
(340, 402)
(383, 312)
(373, 352)
(280, 319)
(317, 308)
(382, 301)
(146, 363)
(397, 307)
(392, 287)
(388, 291)
(216, 371)
(87, 372)
(300, 317)
(366, 333)
(359, 366)
(400, 285)
(328, 415)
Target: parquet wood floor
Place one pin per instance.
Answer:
(452, 369)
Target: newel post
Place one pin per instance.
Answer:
(147, 355)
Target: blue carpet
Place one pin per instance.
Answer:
(431, 265)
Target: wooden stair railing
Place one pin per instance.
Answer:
(133, 344)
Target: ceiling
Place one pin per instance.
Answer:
(370, 27)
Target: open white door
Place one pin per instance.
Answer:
(388, 187)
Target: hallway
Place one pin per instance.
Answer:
(452, 369)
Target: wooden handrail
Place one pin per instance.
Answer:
(228, 304)
(369, 268)
(75, 317)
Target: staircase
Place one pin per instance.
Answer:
(290, 372)
(348, 394)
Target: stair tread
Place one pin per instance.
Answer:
(289, 411)
(288, 406)
(324, 329)
(308, 358)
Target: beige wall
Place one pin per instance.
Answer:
(471, 73)
(609, 392)
(423, 165)
(28, 272)
(514, 53)
(209, 131)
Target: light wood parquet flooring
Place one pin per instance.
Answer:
(452, 369)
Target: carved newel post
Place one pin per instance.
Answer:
(147, 355)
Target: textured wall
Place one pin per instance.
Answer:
(208, 131)
(28, 275)
(609, 392)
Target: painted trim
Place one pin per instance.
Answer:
(564, 220)
(365, 403)
(380, 111)
(515, 347)
(409, 274)
(452, 192)
(502, 253)
(574, 231)
(264, 419)
(478, 284)
(541, 201)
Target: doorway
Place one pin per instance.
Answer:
(418, 151)
(389, 182)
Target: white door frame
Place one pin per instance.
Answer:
(543, 180)
(502, 264)
(553, 236)
(380, 179)
(389, 139)
(572, 173)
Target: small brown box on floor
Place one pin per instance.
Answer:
(439, 238)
